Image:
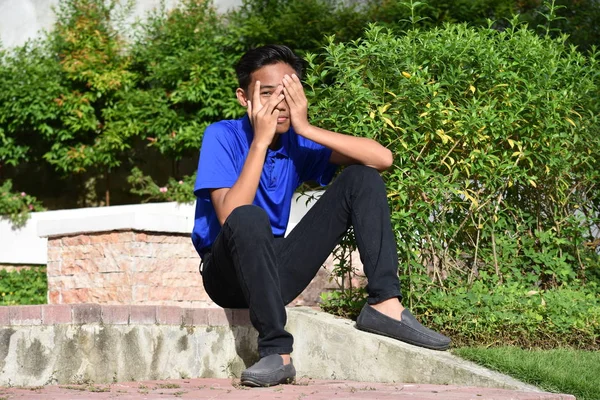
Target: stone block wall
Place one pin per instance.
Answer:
(134, 267)
(124, 268)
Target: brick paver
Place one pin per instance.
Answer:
(120, 314)
(169, 315)
(304, 389)
(142, 315)
(114, 314)
(25, 315)
(55, 314)
(87, 313)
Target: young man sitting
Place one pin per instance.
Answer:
(248, 171)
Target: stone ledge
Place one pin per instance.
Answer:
(209, 343)
(168, 217)
(152, 217)
(24, 245)
(77, 314)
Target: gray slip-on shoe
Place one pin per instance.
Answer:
(269, 371)
(408, 330)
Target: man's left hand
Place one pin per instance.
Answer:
(297, 103)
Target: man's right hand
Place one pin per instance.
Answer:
(263, 117)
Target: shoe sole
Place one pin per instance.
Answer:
(364, 328)
(253, 382)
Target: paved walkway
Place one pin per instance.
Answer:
(304, 389)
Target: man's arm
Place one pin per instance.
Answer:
(264, 123)
(346, 149)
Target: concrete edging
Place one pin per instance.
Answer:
(67, 344)
(333, 348)
(48, 344)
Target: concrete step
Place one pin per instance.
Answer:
(65, 344)
(304, 389)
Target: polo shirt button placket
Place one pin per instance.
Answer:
(270, 168)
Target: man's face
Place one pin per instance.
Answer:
(270, 76)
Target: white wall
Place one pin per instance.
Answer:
(28, 245)
(21, 20)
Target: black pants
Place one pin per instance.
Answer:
(249, 268)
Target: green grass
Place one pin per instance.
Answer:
(568, 371)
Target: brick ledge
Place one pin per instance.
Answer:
(77, 314)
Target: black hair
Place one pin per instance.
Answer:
(266, 55)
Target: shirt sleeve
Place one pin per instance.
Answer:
(316, 165)
(218, 164)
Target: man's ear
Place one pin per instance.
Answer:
(241, 96)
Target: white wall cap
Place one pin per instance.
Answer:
(153, 217)
(29, 244)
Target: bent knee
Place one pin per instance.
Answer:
(362, 175)
(248, 216)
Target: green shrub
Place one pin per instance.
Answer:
(28, 286)
(60, 93)
(578, 19)
(301, 25)
(258, 22)
(406, 14)
(81, 106)
(88, 133)
(23, 119)
(16, 206)
(85, 103)
(186, 59)
(497, 152)
(181, 191)
(484, 314)
(495, 137)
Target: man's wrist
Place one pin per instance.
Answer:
(259, 146)
(304, 129)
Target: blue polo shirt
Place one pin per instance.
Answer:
(224, 149)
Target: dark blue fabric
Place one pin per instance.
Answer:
(224, 149)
